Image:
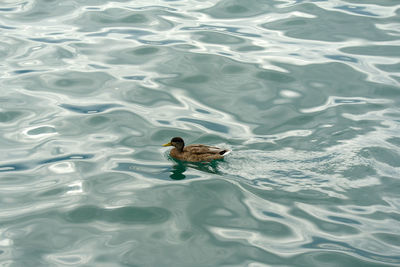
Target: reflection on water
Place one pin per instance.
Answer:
(179, 168)
(305, 94)
(177, 172)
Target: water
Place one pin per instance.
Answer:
(305, 93)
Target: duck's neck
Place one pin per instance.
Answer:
(179, 147)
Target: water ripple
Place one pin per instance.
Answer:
(98, 108)
(304, 93)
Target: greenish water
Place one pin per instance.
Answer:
(306, 94)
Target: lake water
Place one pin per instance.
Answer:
(306, 94)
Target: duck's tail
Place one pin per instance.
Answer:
(224, 152)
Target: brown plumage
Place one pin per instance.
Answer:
(194, 153)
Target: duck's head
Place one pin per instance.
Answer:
(176, 142)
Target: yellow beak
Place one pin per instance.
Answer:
(167, 144)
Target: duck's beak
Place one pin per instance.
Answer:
(167, 144)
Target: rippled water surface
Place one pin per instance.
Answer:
(306, 94)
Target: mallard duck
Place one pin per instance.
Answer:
(194, 153)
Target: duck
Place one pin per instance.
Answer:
(196, 152)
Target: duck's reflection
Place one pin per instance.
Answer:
(177, 172)
(179, 168)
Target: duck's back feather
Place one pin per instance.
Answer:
(196, 153)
